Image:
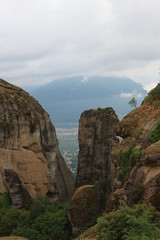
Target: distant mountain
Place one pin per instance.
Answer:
(65, 99)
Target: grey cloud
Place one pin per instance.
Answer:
(41, 40)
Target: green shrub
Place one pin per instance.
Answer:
(39, 206)
(24, 219)
(137, 193)
(44, 221)
(5, 200)
(101, 183)
(154, 94)
(140, 222)
(143, 227)
(123, 161)
(156, 104)
(8, 221)
(27, 232)
(155, 134)
(53, 225)
(136, 156)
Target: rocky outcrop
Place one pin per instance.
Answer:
(29, 153)
(96, 138)
(96, 171)
(138, 156)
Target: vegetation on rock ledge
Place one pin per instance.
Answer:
(125, 159)
(153, 95)
(155, 134)
(137, 193)
(141, 222)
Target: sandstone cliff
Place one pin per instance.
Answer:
(96, 138)
(30, 161)
(138, 155)
(130, 168)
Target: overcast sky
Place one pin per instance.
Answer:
(41, 40)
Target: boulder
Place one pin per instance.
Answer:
(84, 207)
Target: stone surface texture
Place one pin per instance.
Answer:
(85, 205)
(135, 130)
(96, 139)
(29, 148)
(96, 171)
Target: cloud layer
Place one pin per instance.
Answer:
(42, 40)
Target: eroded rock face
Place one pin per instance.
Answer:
(141, 183)
(96, 138)
(29, 146)
(20, 197)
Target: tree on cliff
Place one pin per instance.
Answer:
(133, 102)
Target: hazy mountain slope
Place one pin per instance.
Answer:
(67, 98)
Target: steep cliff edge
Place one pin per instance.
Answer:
(96, 138)
(96, 172)
(29, 153)
(138, 155)
(132, 170)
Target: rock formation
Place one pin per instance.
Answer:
(85, 206)
(96, 172)
(30, 161)
(138, 155)
(130, 168)
(96, 138)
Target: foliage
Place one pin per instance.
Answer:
(53, 225)
(27, 232)
(138, 223)
(156, 104)
(39, 206)
(101, 183)
(143, 227)
(136, 156)
(155, 134)
(5, 200)
(137, 193)
(8, 221)
(123, 161)
(133, 102)
(154, 94)
(45, 220)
